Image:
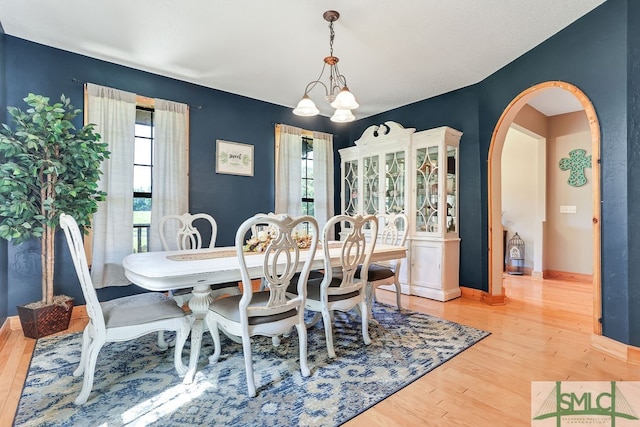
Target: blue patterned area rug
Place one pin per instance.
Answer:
(136, 385)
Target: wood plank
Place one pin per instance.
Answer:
(15, 358)
(569, 276)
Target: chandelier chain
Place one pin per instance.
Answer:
(331, 36)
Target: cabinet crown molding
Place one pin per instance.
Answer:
(387, 130)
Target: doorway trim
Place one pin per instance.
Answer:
(495, 294)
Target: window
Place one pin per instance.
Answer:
(306, 157)
(142, 178)
(307, 176)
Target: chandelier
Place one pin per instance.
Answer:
(336, 92)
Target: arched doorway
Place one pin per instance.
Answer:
(496, 255)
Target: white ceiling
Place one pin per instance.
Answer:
(393, 53)
(554, 101)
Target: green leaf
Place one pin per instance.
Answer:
(43, 150)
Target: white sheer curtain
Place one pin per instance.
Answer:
(288, 170)
(170, 165)
(323, 177)
(289, 173)
(114, 113)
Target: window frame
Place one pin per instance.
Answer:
(138, 231)
(305, 175)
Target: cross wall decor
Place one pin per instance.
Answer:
(576, 163)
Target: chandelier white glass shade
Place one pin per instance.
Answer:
(342, 116)
(336, 91)
(306, 107)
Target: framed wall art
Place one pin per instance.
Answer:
(234, 158)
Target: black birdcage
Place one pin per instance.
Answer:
(515, 253)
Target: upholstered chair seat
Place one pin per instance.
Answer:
(377, 272)
(228, 308)
(141, 308)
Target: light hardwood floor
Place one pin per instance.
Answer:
(543, 333)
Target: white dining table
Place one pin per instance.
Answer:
(198, 269)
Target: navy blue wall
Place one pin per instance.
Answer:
(4, 287)
(633, 171)
(31, 67)
(599, 54)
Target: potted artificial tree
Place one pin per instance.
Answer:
(47, 167)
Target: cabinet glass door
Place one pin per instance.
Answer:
(371, 185)
(452, 189)
(394, 182)
(427, 167)
(350, 187)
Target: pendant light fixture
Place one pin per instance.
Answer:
(336, 91)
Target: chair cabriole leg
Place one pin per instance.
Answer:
(365, 323)
(86, 340)
(398, 294)
(89, 371)
(302, 337)
(326, 318)
(248, 365)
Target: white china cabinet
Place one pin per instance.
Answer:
(396, 169)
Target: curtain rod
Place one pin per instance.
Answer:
(198, 107)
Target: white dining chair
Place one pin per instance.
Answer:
(182, 232)
(394, 232)
(255, 232)
(186, 234)
(339, 289)
(272, 312)
(120, 319)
